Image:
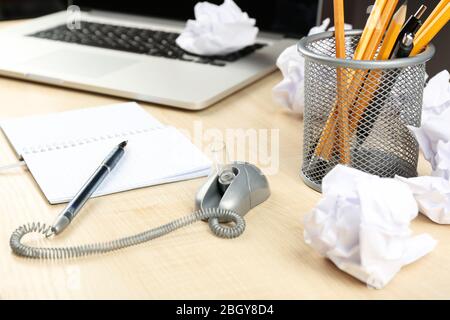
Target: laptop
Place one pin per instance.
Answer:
(127, 49)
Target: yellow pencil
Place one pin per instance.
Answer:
(431, 30)
(343, 141)
(393, 31)
(325, 145)
(390, 38)
(339, 32)
(369, 29)
(432, 16)
(380, 30)
(358, 107)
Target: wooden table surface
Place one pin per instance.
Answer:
(269, 261)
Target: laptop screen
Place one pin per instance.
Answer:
(289, 17)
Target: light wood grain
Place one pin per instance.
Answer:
(270, 261)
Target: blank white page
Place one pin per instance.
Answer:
(73, 127)
(153, 157)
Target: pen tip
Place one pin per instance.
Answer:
(123, 144)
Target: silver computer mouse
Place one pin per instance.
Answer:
(239, 187)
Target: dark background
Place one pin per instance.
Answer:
(289, 16)
(269, 14)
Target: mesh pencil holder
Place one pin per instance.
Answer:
(357, 112)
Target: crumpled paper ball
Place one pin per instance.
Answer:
(362, 225)
(433, 193)
(289, 93)
(434, 134)
(218, 30)
(436, 96)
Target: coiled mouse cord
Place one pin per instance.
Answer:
(211, 214)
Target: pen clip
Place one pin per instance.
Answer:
(420, 12)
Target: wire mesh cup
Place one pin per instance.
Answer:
(357, 112)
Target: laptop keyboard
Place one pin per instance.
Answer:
(142, 41)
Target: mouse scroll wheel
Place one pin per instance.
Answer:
(226, 177)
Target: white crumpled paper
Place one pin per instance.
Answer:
(362, 225)
(289, 93)
(436, 96)
(218, 30)
(433, 193)
(434, 134)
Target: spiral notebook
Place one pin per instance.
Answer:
(63, 149)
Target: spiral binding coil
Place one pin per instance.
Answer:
(211, 214)
(72, 143)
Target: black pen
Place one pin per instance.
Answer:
(412, 25)
(74, 206)
(406, 46)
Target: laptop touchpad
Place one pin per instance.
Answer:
(78, 63)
